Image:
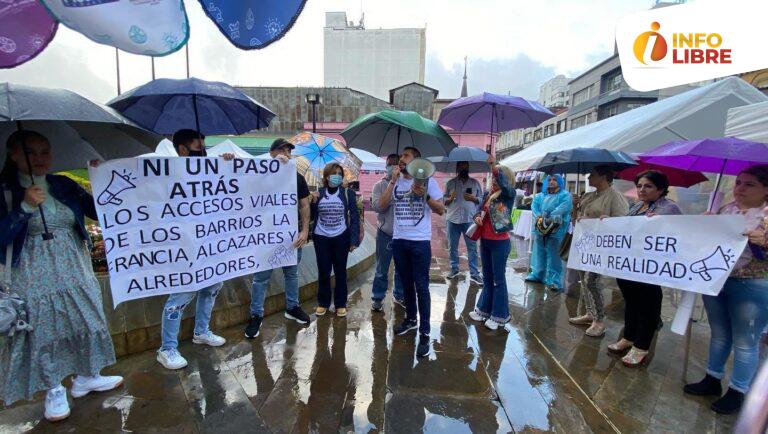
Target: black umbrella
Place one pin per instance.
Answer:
(583, 160)
(77, 128)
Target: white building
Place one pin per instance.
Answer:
(371, 60)
(554, 93)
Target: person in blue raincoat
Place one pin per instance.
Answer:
(551, 215)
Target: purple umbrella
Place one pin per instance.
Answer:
(27, 28)
(724, 156)
(493, 113)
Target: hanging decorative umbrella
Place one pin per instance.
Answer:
(390, 131)
(166, 106)
(27, 30)
(313, 152)
(253, 24)
(477, 159)
(493, 113)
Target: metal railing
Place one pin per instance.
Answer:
(753, 418)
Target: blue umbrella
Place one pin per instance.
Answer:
(313, 152)
(583, 160)
(166, 106)
(477, 159)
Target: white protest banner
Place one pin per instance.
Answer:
(175, 224)
(692, 253)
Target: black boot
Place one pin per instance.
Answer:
(708, 386)
(730, 403)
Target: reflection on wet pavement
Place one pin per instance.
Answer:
(540, 374)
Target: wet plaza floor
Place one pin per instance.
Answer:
(353, 374)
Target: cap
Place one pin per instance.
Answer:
(280, 143)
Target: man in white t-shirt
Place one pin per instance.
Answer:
(411, 249)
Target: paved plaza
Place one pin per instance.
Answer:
(353, 375)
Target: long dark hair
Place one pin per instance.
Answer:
(17, 139)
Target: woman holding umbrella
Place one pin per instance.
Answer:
(493, 223)
(739, 313)
(55, 277)
(642, 301)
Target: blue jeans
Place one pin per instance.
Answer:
(737, 317)
(546, 264)
(494, 301)
(412, 263)
(455, 232)
(261, 282)
(383, 258)
(174, 308)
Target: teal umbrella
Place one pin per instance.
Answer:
(390, 131)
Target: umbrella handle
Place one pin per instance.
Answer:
(47, 235)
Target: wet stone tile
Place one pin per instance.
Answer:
(455, 374)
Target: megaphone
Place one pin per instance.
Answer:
(718, 260)
(118, 184)
(421, 170)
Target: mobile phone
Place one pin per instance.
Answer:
(468, 191)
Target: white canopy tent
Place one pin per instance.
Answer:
(749, 122)
(228, 147)
(695, 114)
(164, 149)
(370, 160)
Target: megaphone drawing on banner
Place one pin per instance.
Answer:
(118, 184)
(421, 170)
(718, 260)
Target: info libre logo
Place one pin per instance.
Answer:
(687, 48)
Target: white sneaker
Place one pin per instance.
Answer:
(491, 324)
(208, 338)
(171, 359)
(56, 405)
(476, 316)
(82, 386)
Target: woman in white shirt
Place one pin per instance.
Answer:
(335, 234)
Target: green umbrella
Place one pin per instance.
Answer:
(390, 131)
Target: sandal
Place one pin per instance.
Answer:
(581, 320)
(635, 358)
(595, 330)
(620, 347)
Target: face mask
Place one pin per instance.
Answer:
(389, 171)
(200, 153)
(464, 173)
(334, 180)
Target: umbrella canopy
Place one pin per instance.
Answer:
(390, 131)
(477, 159)
(583, 160)
(726, 156)
(27, 30)
(166, 106)
(164, 149)
(228, 147)
(313, 152)
(493, 113)
(676, 177)
(77, 128)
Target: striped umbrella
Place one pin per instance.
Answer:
(314, 151)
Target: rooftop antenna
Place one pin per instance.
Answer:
(362, 15)
(464, 83)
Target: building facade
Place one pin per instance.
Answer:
(554, 93)
(372, 61)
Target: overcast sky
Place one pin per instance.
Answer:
(513, 46)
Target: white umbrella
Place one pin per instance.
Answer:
(228, 147)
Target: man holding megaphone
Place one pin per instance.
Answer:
(415, 195)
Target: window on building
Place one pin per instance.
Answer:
(635, 105)
(579, 121)
(562, 126)
(611, 82)
(537, 135)
(608, 111)
(528, 137)
(581, 96)
(549, 130)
